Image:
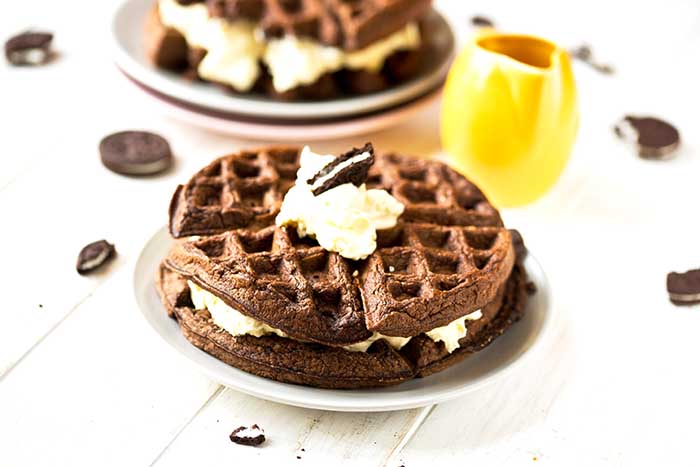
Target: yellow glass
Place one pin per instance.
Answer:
(510, 115)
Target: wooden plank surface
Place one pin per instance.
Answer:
(85, 381)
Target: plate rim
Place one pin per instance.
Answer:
(351, 404)
(285, 132)
(262, 108)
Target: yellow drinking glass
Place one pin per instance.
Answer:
(510, 115)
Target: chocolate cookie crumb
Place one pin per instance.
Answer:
(29, 48)
(481, 21)
(684, 288)
(654, 138)
(351, 167)
(135, 153)
(584, 53)
(253, 436)
(298, 457)
(94, 255)
(518, 244)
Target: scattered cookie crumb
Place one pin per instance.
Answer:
(534, 458)
(298, 457)
(480, 21)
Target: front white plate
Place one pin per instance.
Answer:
(469, 375)
(127, 31)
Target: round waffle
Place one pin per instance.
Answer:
(448, 255)
(293, 361)
(340, 23)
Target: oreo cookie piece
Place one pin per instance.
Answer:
(684, 288)
(253, 436)
(653, 137)
(584, 53)
(481, 22)
(29, 48)
(135, 153)
(94, 255)
(351, 167)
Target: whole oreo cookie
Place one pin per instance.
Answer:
(135, 153)
(653, 137)
(29, 48)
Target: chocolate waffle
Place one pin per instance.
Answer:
(448, 255)
(347, 24)
(292, 361)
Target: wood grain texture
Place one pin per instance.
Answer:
(84, 381)
(318, 437)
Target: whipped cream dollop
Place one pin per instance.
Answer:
(237, 324)
(236, 47)
(344, 219)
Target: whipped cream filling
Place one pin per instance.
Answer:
(237, 324)
(344, 219)
(235, 48)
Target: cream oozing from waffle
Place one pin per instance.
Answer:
(237, 324)
(234, 49)
(344, 219)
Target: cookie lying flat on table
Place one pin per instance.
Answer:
(253, 436)
(135, 153)
(94, 256)
(684, 288)
(29, 48)
(654, 138)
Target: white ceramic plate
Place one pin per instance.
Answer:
(265, 130)
(129, 54)
(470, 374)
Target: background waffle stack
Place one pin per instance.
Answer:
(348, 25)
(448, 256)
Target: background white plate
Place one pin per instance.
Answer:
(472, 373)
(129, 54)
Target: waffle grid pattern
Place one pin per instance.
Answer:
(319, 292)
(349, 24)
(447, 256)
(243, 190)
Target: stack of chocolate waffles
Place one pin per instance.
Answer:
(347, 25)
(448, 256)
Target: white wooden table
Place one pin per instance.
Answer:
(85, 381)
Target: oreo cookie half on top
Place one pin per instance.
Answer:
(351, 167)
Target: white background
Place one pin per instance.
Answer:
(84, 381)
